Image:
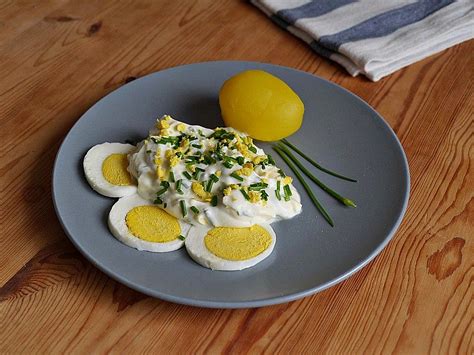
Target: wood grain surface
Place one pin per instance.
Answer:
(58, 57)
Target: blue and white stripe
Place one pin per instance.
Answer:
(374, 37)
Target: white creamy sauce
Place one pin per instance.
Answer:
(183, 149)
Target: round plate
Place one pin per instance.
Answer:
(339, 130)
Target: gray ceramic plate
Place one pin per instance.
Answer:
(339, 129)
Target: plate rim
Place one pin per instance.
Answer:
(248, 303)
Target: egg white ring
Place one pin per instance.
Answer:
(197, 250)
(118, 227)
(93, 169)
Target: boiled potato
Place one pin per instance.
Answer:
(261, 105)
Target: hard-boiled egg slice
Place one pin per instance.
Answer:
(142, 225)
(105, 167)
(230, 248)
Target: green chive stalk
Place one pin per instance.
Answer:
(287, 143)
(330, 191)
(311, 195)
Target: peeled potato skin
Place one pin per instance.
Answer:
(261, 105)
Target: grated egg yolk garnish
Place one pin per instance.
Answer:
(152, 224)
(198, 189)
(232, 243)
(114, 170)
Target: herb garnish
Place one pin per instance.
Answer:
(292, 146)
(257, 186)
(237, 177)
(305, 185)
(327, 189)
(247, 197)
(178, 186)
(184, 210)
(277, 191)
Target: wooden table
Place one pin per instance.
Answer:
(58, 57)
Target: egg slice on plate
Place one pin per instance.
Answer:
(142, 225)
(230, 248)
(105, 167)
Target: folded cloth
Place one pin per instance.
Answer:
(374, 37)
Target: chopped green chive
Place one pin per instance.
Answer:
(178, 186)
(216, 134)
(257, 186)
(208, 159)
(164, 140)
(214, 201)
(315, 164)
(222, 134)
(281, 172)
(247, 197)
(197, 146)
(181, 237)
(197, 172)
(187, 175)
(214, 177)
(194, 209)
(184, 210)
(158, 201)
(277, 191)
(209, 185)
(148, 151)
(161, 192)
(171, 177)
(237, 177)
(165, 205)
(165, 185)
(192, 159)
(241, 160)
(264, 195)
(287, 191)
(278, 195)
(253, 149)
(270, 160)
(229, 162)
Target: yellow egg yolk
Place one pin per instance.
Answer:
(152, 224)
(114, 170)
(237, 243)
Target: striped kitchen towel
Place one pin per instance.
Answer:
(374, 37)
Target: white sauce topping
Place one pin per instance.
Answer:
(203, 154)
